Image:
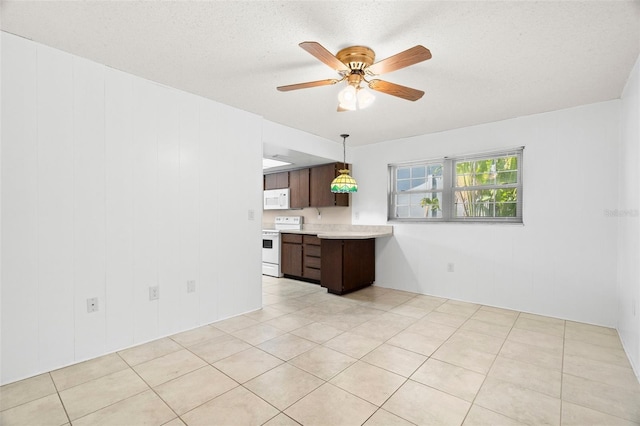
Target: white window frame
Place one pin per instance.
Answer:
(447, 207)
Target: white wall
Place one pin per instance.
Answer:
(561, 262)
(110, 184)
(628, 318)
(278, 135)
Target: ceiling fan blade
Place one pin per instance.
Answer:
(308, 84)
(396, 90)
(401, 60)
(323, 55)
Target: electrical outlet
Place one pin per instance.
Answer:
(154, 293)
(191, 286)
(92, 304)
(357, 215)
(450, 267)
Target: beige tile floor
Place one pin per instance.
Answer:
(374, 357)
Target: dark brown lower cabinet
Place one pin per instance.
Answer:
(347, 265)
(291, 255)
(311, 253)
(300, 257)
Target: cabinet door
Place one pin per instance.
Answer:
(282, 180)
(276, 180)
(299, 184)
(320, 179)
(320, 185)
(358, 264)
(331, 268)
(291, 259)
(347, 265)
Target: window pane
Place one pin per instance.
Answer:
(402, 211)
(507, 177)
(416, 205)
(504, 195)
(417, 184)
(416, 199)
(464, 174)
(487, 172)
(507, 163)
(506, 210)
(435, 170)
(486, 203)
(403, 185)
(434, 182)
(506, 202)
(478, 203)
(403, 173)
(431, 204)
(417, 211)
(418, 172)
(402, 199)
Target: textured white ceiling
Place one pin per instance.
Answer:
(491, 60)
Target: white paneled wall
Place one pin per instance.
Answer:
(211, 235)
(110, 185)
(19, 322)
(55, 208)
(89, 201)
(628, 307)
(119, 307)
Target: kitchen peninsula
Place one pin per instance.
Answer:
(340, 258)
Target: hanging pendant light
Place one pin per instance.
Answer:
(344, 183)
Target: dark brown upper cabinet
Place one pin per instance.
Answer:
(276, 180)
(299, 185)
(320, 186)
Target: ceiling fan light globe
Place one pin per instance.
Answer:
(347, 95)
(365, 98)
(347, 107)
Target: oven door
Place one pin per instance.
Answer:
(271, 248)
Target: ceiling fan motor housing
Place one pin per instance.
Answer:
(357, 58)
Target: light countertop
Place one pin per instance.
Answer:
(344, 232)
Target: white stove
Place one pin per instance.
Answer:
(271, 243)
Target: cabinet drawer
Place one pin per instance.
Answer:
(292, 238)
(310, 250)
(313, 262)
(311, 239)
(312, 274)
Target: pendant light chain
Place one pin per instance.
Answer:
(344, 151)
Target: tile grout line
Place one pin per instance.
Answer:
(335, 375)
(486, 376)
(64, 407)
(148, 385)
(408, 378)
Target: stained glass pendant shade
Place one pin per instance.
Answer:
(344, 183)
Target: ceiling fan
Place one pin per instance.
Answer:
(354, 64)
